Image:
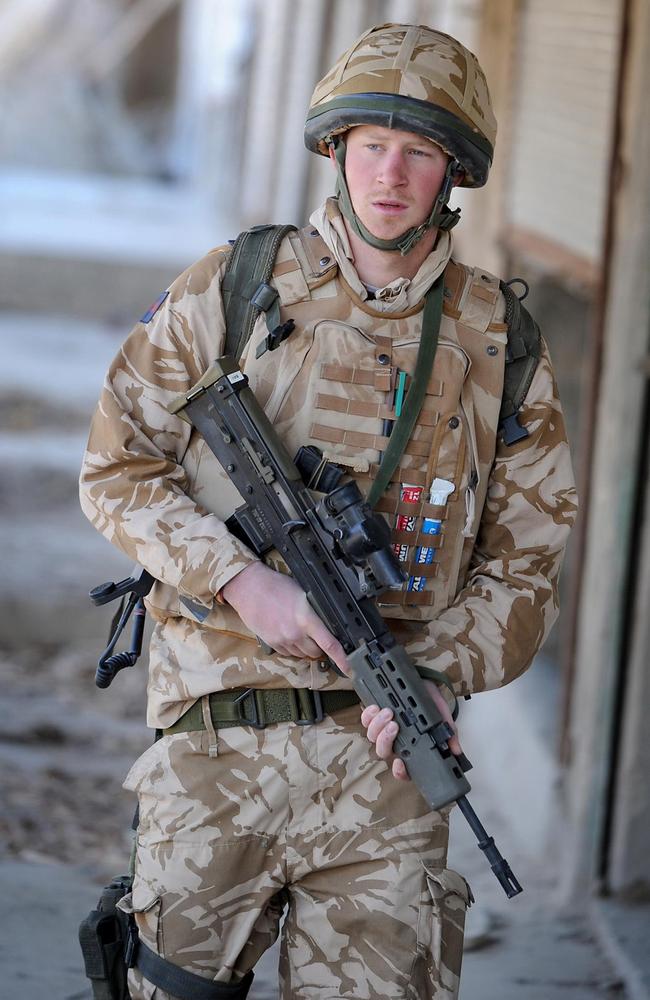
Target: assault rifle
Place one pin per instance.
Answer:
(338, 551)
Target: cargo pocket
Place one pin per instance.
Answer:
(144, 766)
(145, 906)
(441, 922)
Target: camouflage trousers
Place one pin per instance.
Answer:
(300, 822)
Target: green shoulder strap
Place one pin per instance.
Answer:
(522, 354)
(246, 290)
(406, 421)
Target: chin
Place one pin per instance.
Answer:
(386, 231)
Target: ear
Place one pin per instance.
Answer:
(331, 153)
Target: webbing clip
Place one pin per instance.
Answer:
(310, 706)
(511, 430)
(275, 338)
(264, 296)
(254, 697)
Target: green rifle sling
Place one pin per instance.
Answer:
(407, 419)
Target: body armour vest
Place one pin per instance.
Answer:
(337, 382)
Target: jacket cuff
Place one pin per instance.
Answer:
(224, 558)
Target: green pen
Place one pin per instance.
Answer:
(398, 400)
(399, 392)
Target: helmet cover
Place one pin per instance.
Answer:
(412, 78)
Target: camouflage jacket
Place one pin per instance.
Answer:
(482, 601)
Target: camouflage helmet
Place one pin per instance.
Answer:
(413, 78)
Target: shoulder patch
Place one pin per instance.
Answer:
(153, 308)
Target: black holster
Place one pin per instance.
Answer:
(103, 936)
(110, 946)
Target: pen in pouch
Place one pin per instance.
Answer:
(400, 389)
(387, 422)
(398, 399)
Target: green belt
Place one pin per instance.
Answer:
(260, 707)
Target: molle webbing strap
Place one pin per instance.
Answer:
(522, 355)
(417, 598)
(245, 287)
(358, 439)
(362, 408)
(425, 571)
(186, 985)
(415, 476)
(407, 419)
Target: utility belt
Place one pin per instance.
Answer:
(261, 707)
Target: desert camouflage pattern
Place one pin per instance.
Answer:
(412, 61)
(152, 487)
(239, 826)
(302, 821)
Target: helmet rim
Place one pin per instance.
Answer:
(459, 140)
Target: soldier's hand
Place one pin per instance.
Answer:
(275, 609)
(381, 730)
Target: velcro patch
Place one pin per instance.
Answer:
(153, 308)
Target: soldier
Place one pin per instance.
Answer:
(241, 825)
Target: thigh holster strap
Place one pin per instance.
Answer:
(182, 984)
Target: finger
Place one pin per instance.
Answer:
(290, 649)
(385, 740)
(282, 649)
(368, 714)
(309, 649)
(399, 770)
(378, 723)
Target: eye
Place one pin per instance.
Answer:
(420, 152)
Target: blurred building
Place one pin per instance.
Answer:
(203, 103)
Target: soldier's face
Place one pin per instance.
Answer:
(393, 178)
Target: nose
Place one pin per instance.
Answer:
(392, 171)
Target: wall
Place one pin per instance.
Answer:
(610, 750)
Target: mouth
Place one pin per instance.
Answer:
(389, 206)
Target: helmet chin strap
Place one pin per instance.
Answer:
(440, 217)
